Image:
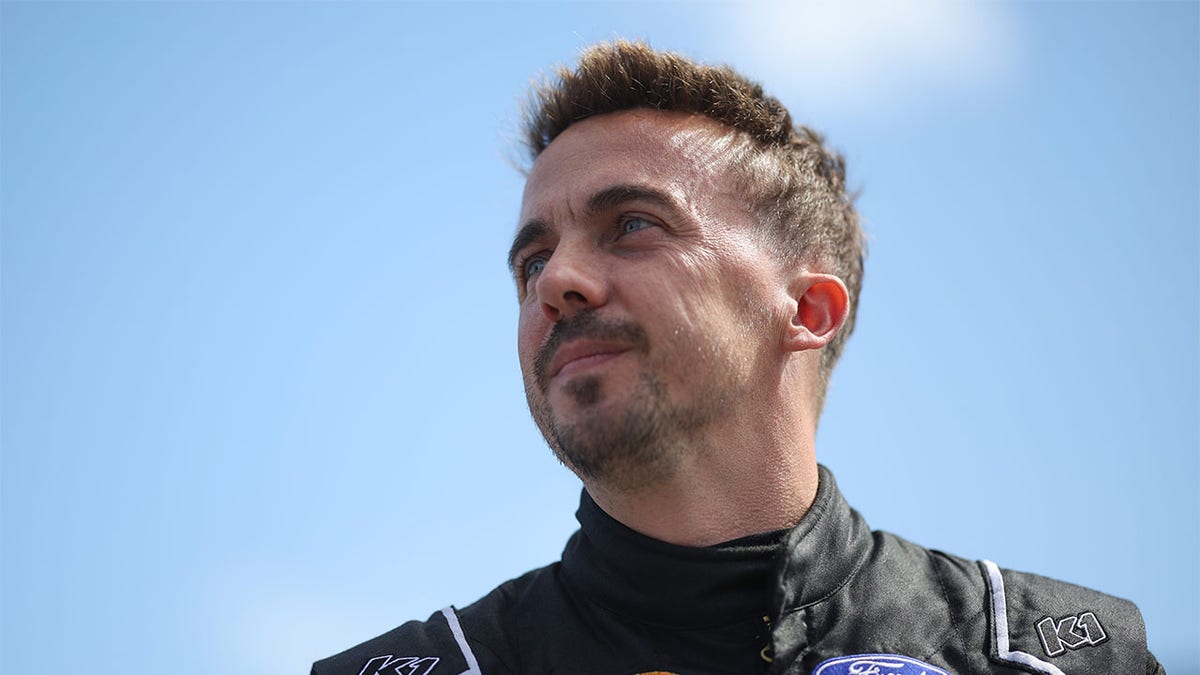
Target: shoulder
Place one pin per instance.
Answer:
(1018, 620)
(1041, 625)
(414, 647)
(481, 635)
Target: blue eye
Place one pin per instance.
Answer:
(634, 223)
(533, 266)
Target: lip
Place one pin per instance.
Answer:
(580, 354)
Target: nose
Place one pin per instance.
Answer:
(571, 281)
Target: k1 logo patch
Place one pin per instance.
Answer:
(876, 664)
(1070, 632)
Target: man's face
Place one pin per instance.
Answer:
(651, 314)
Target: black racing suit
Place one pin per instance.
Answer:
(828, 597)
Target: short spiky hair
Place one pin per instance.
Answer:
(796, 185)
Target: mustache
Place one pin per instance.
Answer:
(586, 324)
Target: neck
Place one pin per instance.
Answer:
(746, 482)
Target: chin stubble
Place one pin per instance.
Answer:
(625, 451)
(630, 444)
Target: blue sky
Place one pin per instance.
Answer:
(259, 388)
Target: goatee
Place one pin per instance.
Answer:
(637, 443)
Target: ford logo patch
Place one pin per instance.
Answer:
(876, 664)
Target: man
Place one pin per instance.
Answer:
(687, 267)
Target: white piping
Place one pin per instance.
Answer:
(1000, 621)
(461, 639)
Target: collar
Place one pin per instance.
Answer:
(824, 551)
(684, 587)
(668, 585)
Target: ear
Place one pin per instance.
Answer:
(822, 304)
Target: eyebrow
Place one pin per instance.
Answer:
(530, 231)
(616, 195)
(600, 201)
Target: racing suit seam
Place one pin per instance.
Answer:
(993, 649)
(492, 653)
(806, 620)
(821, 509)
(845, 582)
(954, 627)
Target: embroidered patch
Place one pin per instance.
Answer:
(401, 665)
(876, 664)
(1070, 632)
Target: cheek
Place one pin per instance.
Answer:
(529, 336)
(706, 290)
(730, 304)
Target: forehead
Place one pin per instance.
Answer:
(677, 152)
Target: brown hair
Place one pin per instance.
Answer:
(793, 181)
